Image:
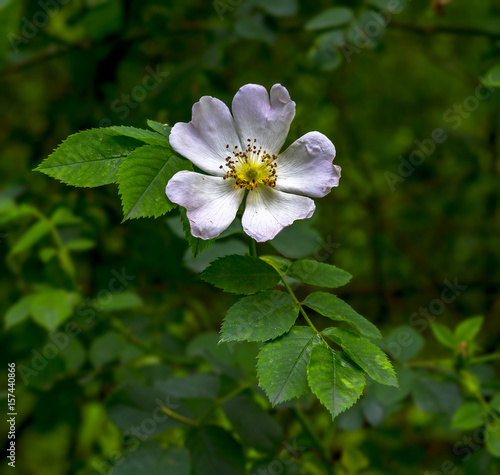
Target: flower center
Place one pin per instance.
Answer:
(251, 167)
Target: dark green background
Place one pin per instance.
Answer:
(440, 223)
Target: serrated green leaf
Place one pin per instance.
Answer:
(260, 317)
(50, 308)
(142, 179)
(330, 18)
(281, 264)
(196, 245)
(332, 307)
(214, 451)
(468, 329)
(18, 312)
(333, 379)
(318, 273)
(443, 334)
(147, 136)
(470, 415)
(241, 274)
(151, 458)
(163, 129)
(254, 426)
(365, 354)
(31, 236)
(89, 158)
(282, 364)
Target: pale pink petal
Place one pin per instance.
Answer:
(204, 140)
(211, 203)
(306, 166)
(258, 116)
(268, 211)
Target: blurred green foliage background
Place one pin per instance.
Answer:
(378, 81)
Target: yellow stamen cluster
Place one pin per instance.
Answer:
(251, 167)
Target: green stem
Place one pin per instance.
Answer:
(62, 252)
(253, 252)
(314, 437)
(252, 248)
(178, 417)
(485, 358)
(298, 411)
(301, 308)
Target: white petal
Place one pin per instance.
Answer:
(268, 211)
(259, 117)
(211, 203)
(204, 139)
(306, 166)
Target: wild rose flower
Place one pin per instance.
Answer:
(240, 153)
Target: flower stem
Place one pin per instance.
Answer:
(252, 248)
(297, 301)
(297, 410)
(301, 308)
